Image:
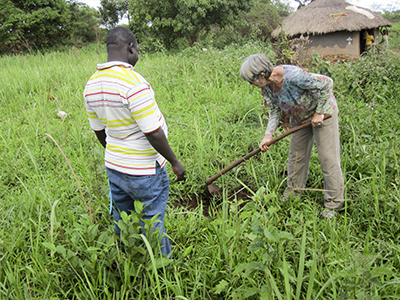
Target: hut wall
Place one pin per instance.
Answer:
(335, 43)
(376, 35)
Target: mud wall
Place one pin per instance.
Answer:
(342, 42)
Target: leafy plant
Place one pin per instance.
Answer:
(170, 21)
(28, 26)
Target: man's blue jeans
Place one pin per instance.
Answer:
(152, 191)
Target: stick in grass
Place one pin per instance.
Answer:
(72, 170)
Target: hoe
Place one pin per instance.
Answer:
(215, 190)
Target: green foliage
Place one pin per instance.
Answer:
(83, 25)
(372, 78)
(392, 15)
(45, 24)
(172, 20)
(111, 11)
(98, 258)
(282, 48)
(263, 17)
(255, 25)
(252, 22)
(28, 24)
(222, 37)
(394, 37)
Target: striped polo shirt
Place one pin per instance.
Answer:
(121, 101)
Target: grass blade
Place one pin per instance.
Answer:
(301, 264)
(153, 262)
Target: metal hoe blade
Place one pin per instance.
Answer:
(214, 190)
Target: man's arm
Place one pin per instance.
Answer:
(101, 136)
(159, 142)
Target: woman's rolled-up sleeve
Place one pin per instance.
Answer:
(274, 116)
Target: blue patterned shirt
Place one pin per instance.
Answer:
(302, 95)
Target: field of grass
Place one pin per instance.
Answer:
(56, 236)
(394, 37)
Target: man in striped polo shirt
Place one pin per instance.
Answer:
(124, 115)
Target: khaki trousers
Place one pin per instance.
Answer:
(327, 141)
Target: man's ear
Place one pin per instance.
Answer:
(130, 47)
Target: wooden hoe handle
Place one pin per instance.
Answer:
(255, 151)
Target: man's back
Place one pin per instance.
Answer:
(121, 101)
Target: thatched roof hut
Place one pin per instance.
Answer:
(327, 18)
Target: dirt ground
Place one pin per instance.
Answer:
(207, 200)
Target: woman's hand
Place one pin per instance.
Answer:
(317, 120)
(265, 140)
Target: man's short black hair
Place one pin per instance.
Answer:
(120, 36)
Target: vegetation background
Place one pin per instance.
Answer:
(56, 235)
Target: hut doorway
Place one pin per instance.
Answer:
(366, 40)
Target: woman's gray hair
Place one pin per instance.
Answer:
(255, 65)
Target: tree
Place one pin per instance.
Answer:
(174, 19)
(264, 16)
(111, 11)
(83, 25)
(392, 15)
(32, 23)
(40, 24)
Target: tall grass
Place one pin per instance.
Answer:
(50, 248)
(394, 36)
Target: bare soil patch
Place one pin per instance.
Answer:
(207, 200)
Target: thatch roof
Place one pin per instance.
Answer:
(324, 16)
